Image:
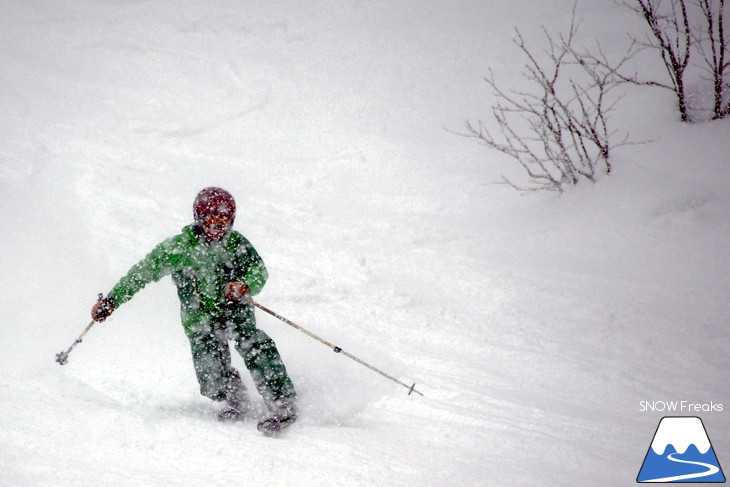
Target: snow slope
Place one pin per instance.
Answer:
(534, 324)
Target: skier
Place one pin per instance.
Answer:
(215, 269)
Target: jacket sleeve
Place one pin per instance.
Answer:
(252, 267)
(150, 269)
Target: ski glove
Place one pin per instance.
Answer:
(103, 308)
(235, 290)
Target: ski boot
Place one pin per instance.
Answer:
(235, 410)
(283, 414)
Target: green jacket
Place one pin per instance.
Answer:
(199, 271)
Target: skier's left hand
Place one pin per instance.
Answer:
(235, 290)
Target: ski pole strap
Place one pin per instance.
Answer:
(335, 348)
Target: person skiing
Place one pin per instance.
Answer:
(215, 269)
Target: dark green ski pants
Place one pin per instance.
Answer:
(212, 359)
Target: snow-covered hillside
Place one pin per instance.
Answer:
(534, 325)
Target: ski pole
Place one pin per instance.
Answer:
(336, 349)
(62, 357)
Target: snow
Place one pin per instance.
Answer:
(533, 324)
(681, 432)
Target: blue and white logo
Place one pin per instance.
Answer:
(681, 452)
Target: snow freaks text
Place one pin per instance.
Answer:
(682, 407)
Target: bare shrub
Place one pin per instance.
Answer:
(558, 131)
(677, 38)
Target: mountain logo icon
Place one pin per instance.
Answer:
(681, 452)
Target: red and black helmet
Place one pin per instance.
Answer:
(214, 201)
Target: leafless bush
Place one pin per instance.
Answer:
(672, 39)
(677, 38)
(558, 132)
(713, 47)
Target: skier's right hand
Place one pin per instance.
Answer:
(235, 290)
(102, 308)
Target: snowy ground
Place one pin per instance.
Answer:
(534, 325)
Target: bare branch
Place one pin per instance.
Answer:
(558, 130)
(710, 42)
(671, 36)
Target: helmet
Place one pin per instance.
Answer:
(214, 201)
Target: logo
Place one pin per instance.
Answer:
(681, 452)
